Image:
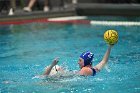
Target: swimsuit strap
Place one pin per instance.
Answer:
(94, 71)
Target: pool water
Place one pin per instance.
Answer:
(25, 50)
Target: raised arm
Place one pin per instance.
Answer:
(48, 70)
(104, 60)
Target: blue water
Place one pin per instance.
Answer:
(25, 50)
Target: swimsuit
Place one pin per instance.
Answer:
(94, 72)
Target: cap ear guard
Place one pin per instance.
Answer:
(88, 57)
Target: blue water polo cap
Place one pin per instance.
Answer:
(88, 57)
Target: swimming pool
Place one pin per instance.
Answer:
(26, 49)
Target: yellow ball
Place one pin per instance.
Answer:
(111, 37)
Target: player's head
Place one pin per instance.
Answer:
(87, 58)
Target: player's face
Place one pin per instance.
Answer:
(81, 62)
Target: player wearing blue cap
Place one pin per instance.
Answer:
(85, 63)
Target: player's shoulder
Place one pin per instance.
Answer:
(86, 71)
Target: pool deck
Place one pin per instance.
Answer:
(87, 9)
(37, 14)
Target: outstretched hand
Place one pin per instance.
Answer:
(48, 70)
(55, 61)
(111, 45)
